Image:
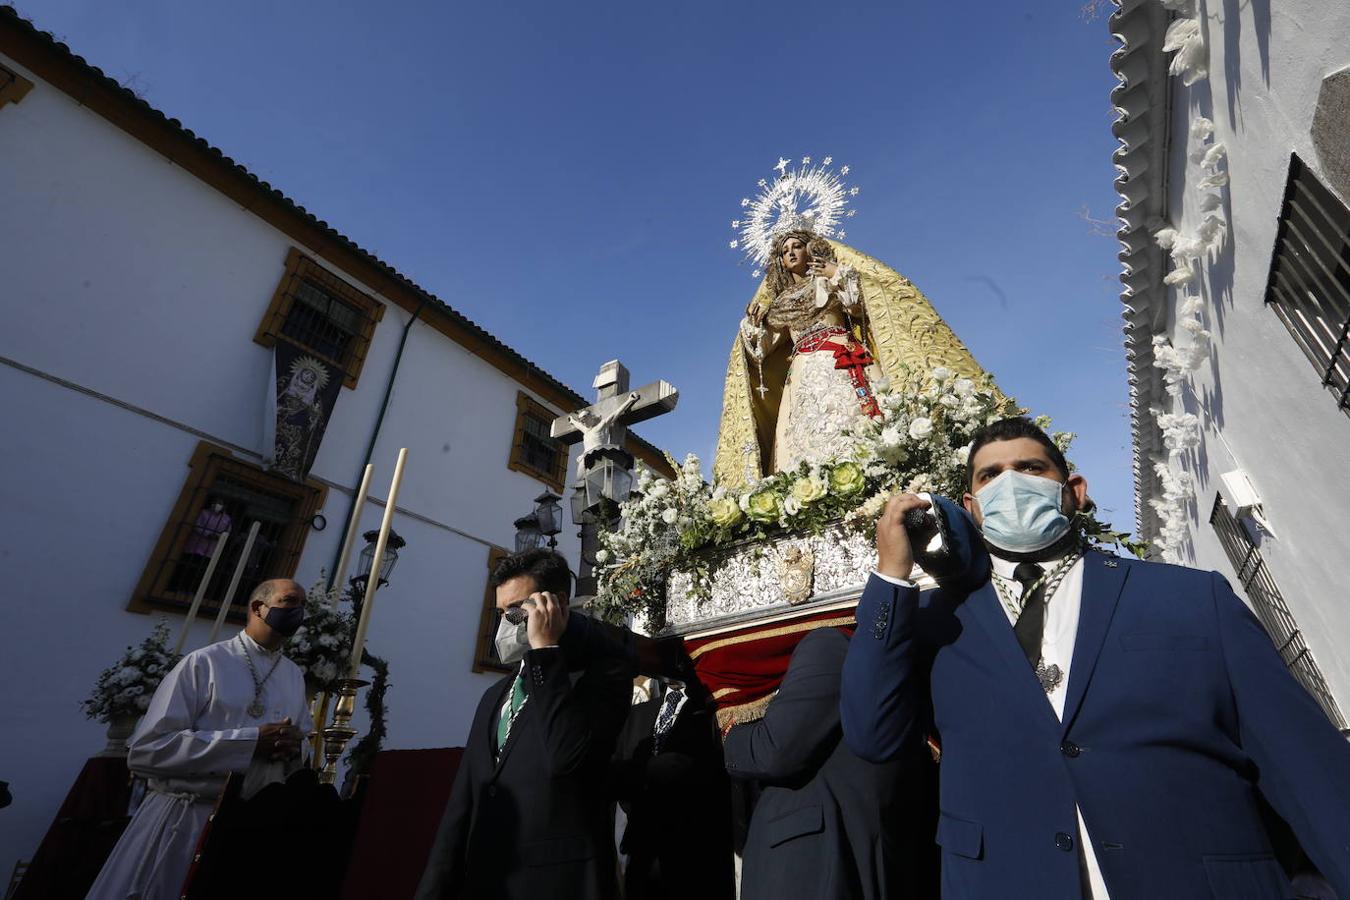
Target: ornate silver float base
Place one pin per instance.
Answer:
(761, 579)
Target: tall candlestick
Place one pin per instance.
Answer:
(348, 540)
(234, 582)
(373, 580)
(221, 538)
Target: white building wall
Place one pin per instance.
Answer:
(126, 277)
(1260, 401)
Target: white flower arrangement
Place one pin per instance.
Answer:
(322, 645)
(920, 442)
(125, 687)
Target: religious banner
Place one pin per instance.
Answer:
(301, 396)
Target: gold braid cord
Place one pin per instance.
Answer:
(904, 333)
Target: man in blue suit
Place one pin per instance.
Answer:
(1109, 727)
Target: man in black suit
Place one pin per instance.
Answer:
(528, 816)
(827, 823)
(669, 778)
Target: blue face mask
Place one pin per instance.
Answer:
(1022, 513)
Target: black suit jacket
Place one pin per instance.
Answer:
(829, 824)
(678, 802)
(535, 822)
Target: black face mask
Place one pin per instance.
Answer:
(285, 622)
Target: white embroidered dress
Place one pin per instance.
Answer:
(820, 400)
(195, 733)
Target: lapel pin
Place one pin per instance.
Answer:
(1112, 563)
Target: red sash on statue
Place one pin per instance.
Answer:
(852, 357)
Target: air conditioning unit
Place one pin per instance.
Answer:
(1239, 495)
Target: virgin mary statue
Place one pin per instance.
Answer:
(824, 325)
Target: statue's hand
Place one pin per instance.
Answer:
(826, 267)
(756, 312)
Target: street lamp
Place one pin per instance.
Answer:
(528, 535)
(367, 559)
(548, 515)
(607, 483)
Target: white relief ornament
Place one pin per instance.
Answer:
(808, 197)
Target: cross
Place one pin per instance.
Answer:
(605, 422)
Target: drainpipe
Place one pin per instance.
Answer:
(379, 421)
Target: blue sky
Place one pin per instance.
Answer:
(565, 174)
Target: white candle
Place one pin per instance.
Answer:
(234, 582)
(345, 557)
(374, 579)
(201, 591)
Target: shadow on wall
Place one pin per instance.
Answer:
(1232, 46)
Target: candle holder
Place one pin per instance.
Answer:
(318, 714)
(336, 736)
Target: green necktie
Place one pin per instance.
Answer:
(512, 710)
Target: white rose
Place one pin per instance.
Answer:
(792, 506)
(962, 454)
(920, 428)
(669, 516)
(942, 373)
(660, 489)
(890, 435)
(964, 387)
(602, 556)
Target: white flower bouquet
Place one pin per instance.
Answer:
(125, 687)
(321, 646)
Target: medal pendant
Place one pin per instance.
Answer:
(1049, 677)
(256, 709)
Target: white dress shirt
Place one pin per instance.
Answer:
(1061, 630)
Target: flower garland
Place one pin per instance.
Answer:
(1188, 253)
(920, 442)
(125, 687)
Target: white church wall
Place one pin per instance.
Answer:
(1260, 401)
(128, 278)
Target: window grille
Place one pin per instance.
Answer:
(1269, 606)
(1309, 283)
(319, 312)
(534, 451)
(227, 494)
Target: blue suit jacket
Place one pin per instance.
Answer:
(1179, 713)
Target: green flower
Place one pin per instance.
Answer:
(809, 488)
(764, 506)
(724, 512)
(846, 479)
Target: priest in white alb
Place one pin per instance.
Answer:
(234, 706)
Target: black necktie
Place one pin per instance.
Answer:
(1030, 627)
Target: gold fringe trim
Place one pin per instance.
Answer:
(771, 633)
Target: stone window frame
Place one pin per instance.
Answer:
(300, 269)
(485, 649)
(554, 478)
(205, 467)
(13, 86)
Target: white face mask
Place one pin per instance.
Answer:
(1022, 513)
(512, 641)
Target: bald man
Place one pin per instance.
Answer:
(234, 706)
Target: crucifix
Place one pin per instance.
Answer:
(602, 431)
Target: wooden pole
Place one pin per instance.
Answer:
(373, 581)
(234, 582)
(354, 526)
(221, 538)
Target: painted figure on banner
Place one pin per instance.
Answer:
(825, 324)
(304, 400)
